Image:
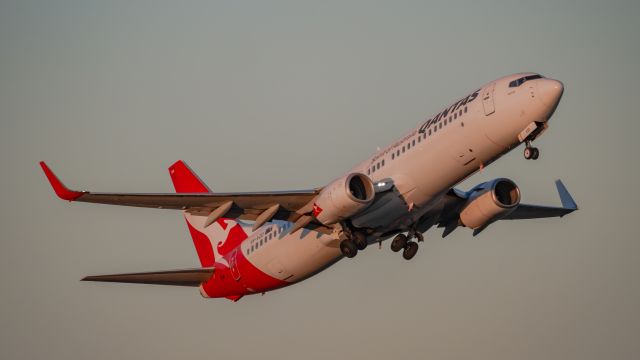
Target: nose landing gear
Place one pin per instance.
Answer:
(530, 152)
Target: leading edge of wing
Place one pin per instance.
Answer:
(185, 277)
(290, 200)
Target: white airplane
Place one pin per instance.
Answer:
(251, 243)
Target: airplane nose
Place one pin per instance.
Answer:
(550, 91)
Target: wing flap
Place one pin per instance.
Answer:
(186, 277)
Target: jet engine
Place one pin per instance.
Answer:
(343, 198)
(490, 201)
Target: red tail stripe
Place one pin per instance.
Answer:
(203, 246)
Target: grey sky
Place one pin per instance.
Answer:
(283, 95)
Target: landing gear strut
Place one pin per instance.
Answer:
(530, 152)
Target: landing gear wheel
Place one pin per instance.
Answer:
(348, 248)
(410, 251)
(399, 242)
(535, 154)
(360, 239)
(528, 153)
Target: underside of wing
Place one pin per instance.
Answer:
(527, 211)
(455, 201)
(186, 277)
(283, 205)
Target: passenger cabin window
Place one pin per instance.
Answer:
(522, 80)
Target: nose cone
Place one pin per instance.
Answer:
(550, 91)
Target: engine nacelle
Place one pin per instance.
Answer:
(491, 201)
(344, 198)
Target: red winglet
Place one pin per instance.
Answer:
(61, 190)
(185, 180)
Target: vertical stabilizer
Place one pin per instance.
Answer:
(186, 181)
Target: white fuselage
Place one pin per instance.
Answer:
(423, 164)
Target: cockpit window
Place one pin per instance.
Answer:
(522, 80)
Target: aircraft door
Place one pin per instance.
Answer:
(487, 99)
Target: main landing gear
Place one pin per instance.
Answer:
(402, 241)
(530, 152)
(350, 246)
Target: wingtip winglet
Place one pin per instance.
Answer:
(62, 191)
(565, 196)
(185, 180)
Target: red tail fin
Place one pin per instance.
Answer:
(186, 181)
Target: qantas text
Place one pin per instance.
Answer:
(449, 110)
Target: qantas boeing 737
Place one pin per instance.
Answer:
(250, 243)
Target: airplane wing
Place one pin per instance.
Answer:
(187, 277)
(526, 211)
(455, 199)
(284, 205)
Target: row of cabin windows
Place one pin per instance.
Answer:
(445, 122)
(421, 137)
(375, 167)
(424, 135)
(269, 235)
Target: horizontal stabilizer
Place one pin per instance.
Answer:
(187, 277)
(565, 197)
(527, 211)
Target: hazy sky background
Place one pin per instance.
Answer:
(268, 95)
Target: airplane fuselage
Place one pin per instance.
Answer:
(423, 165)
